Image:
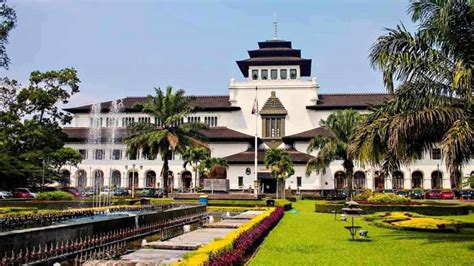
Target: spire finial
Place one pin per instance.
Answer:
(275, 27)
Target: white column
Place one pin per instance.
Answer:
(407, 180)
(369, 178)
(123, 180)
(141, 179)
(426, 182)
(388, 182)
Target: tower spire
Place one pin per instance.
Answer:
(275, 27)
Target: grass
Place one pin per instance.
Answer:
(309, 238)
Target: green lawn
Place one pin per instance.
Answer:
(309, 238)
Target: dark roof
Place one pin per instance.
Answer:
(81, 134)
(354, 101)
(307, 135)
(275, 53)
(202, 103)
(248, 156)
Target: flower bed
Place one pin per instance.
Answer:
(414, 222)
(233, 247)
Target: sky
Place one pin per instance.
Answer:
(127, 47)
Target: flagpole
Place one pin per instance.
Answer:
(255, 181)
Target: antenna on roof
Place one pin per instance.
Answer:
(275, 27)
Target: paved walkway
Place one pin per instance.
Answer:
(172, 250)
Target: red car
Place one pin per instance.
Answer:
(23, 193)
(71, 190)
(432, 194)
(446, 194)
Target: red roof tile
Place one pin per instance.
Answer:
(248, 156)
(354, 101)
(307, 135)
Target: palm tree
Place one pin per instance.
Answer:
(194, 155)
(334, 145)
(169, 133)
(432, 103)
(281, 167)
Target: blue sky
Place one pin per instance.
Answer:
(125, 48)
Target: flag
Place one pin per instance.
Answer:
(255, 106)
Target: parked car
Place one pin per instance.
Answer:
(417, 194)
(466, 194)
(23, 193)
(71, 190)
(120, 192)
(90, 192)
(403, 193)
(5, 194)
(389, 191)
(106, 192)
(152, 192)
(432, 194)
(446, 194)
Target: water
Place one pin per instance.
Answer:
(95, 125)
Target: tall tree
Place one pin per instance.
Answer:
(170, 133)
(7, 23)
(194, 155)
(432, 102)
(340, 126)
(281, 167)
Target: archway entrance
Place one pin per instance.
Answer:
(417, 179)
(65, 177)
(436, 180)
(339, 180)
(132, 176)
(397, 180)
(456, 181)
(98, 178)
(116, 178)
(150, 180)
(186, 180)
(81, 179)
(359, 180)
(267, 182)
(379, 181)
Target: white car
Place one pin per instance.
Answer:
(5, 194)
(106, 192)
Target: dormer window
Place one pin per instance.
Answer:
(255, 74)
(264, 74)
(274, 74)
(293, 73)
(283, 74)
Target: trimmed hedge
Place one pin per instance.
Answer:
(54, 195)
(433, 210)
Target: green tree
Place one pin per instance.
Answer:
(7, 23)
(429, 73)
(281, 167)
(194, 155)
(340, 126)
(65, 156)
(170, 133)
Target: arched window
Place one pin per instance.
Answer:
(417, 179)
(359, 180)
(150, 179)
(397, 180)
(339, 180)
(379, 181)
(98, 178)
(436, 180)
(135, 179)
(81, 178)
(116, 178)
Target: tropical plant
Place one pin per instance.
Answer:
(169, 134)
(429, 73)
(281, 167)
(334, 145)
(194, 155)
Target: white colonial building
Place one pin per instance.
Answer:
(289, 113)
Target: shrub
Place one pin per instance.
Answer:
(413, 221)
(365, 195)
(54, 195)
(388, 198)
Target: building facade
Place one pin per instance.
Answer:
(277, 100)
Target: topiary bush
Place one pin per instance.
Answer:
(365, 195)
(54, 195)
(388, 198)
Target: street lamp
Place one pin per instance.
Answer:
(133, 180)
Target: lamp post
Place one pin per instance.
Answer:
(133, 180)
(126, 175)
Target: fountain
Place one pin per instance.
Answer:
(94, 139)
(115, 108)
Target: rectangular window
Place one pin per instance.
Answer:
(273, 127)
(264, 74)
(293, 73)
(298, 181)
(255, 74)
(99, 154)
(116, 154)
(283, 74)
(436, 154)
(241, 181)
(83, 154)
(274, 74)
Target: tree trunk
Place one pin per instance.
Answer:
(165, 173)
(195, 175)
(349, 168)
